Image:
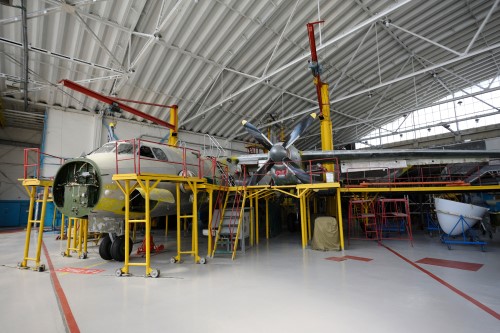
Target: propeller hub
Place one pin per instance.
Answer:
(278, 153)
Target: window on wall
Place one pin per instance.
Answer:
(458, 111)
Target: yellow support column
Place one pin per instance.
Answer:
(69, 230)
(62, 235)
(257, 219)
(80, 237)
(174, 120)
(125, 269)
(210, 216)
(339, 219)
(303, 226)
(179, 221)
(85, 226)
(195, 248)
(308, 215)
(147, 218)
(252, 230)
(326, 124)
(267, 218)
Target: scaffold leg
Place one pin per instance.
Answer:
(32, 191)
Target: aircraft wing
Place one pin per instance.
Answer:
(251, 159)
(398, 158)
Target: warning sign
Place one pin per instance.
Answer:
(75, 270)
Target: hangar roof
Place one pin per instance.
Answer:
(222, 61)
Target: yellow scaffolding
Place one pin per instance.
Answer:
(31, 186)
(77, 236)
(148, 182)
(193, 184)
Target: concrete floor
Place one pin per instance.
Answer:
(275, 287)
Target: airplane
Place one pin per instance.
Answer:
(83, 187)
(286, 165)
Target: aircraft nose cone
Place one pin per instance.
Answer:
(278, 153)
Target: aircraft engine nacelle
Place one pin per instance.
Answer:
(84, 188)
(77, 187)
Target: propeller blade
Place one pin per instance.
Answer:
(299, 129)
(259, 174)
(303, 176)
(258, 135)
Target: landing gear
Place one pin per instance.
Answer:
(117, 250)
(105, 248)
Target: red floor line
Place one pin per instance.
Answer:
(446, 284)
(10, 231)
(69, 319)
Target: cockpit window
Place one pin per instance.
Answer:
(125, 148)
(107, 148)
(146, 152)
(160, 154)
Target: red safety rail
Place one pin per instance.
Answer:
(428, 175)
(35, 166)
(394, 219)
(354, 177)
(117, 154)
(317, 171)
(137, 158)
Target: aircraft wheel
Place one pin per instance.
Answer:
(118, 248)
(105, 248)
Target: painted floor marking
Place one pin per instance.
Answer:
(79, 270)
(67, 314)
(449, 286)
(467, 266)
(338, 259)
(62, 273)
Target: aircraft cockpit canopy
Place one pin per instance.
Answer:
(127, 148)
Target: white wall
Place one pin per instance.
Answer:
(67, 135)
(12, 161)
(11, 169)
(70, 134)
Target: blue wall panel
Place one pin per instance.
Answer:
(14, 213)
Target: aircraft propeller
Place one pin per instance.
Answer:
(278, 152)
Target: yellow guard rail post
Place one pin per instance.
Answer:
(78, 233)
(194, 224)
(31, 186)
(147, 187)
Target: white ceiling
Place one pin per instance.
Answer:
(222, 61)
